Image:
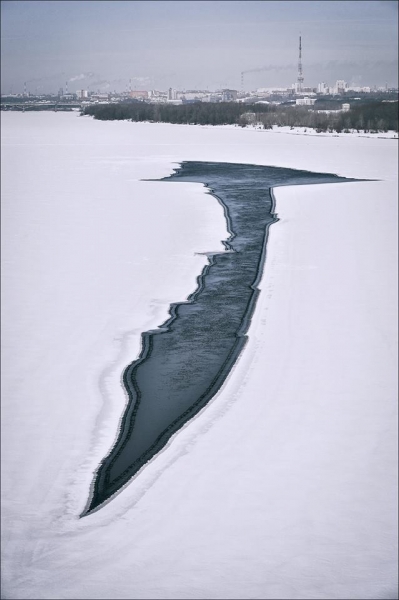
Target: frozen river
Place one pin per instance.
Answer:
(285, 484)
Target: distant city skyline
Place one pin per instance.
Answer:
(195, 45)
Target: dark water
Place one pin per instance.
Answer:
(186, 360)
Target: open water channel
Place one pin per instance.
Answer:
(185, 361)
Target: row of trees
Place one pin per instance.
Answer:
(372, 116)
(198, 113)
(375, 117)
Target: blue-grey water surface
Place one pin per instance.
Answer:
(185, 361)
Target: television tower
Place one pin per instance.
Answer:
(300, 76)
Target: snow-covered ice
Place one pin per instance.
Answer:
(285, 485)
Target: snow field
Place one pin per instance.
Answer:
(285, 485)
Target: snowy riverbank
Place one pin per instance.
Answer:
(285, 485)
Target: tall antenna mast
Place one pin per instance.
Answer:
(300, 76)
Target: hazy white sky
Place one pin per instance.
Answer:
(189, 44)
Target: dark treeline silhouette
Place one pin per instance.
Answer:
(371, 116)
(198, 113)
